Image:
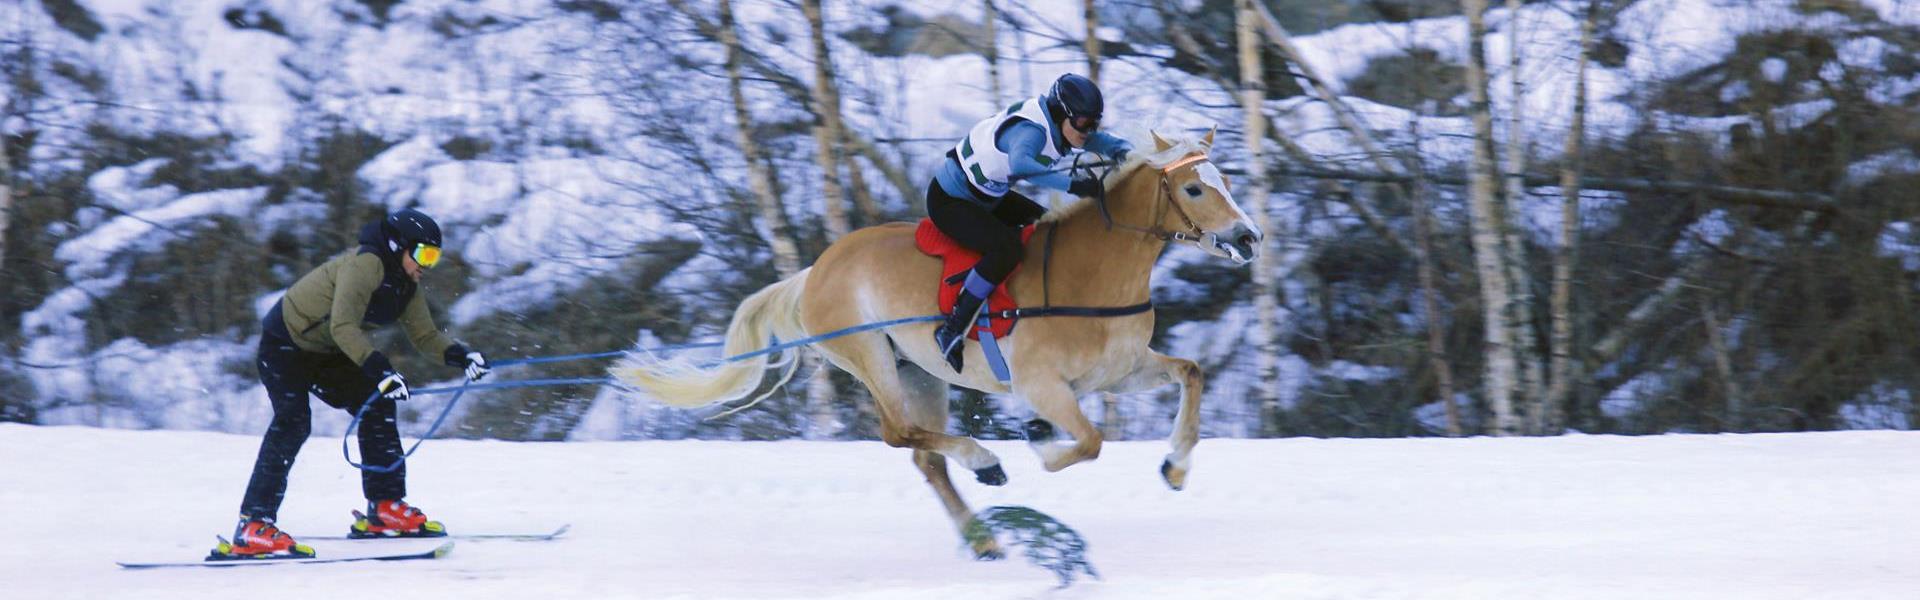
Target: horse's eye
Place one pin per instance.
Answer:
(1193, 190)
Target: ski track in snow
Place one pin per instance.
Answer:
(1823, 515)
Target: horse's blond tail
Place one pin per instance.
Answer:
(681, 382)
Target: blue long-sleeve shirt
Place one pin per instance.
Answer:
(1022, 141)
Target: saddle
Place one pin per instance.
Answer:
(953, 272)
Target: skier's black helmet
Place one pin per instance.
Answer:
(1076, 99)
(410, 227)
(411, 232)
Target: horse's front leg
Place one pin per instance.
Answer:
(1054, 401)
(1186, 424)
(1161, 370)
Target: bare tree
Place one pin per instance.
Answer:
(992, 53)
(1486, 215)
(1561, 376)
(797, 90)
(1184, 40)
(1429, 287)
(1093, 40)
(6, 195)
(786, 254)
(1528, 392)
(826, 125)
(1723, 368)
(1265, 330)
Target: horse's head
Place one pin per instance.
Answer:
(1201, 195)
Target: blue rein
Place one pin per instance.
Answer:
(462, 389)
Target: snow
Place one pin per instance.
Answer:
(1679, 516)
(87, 255)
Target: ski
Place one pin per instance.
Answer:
(513, 537)
(437, 552)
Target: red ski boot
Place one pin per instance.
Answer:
(393, 518)
(259, 539)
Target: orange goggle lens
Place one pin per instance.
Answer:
(426, 255)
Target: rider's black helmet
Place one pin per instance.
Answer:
(409, 227)
(1076, 99)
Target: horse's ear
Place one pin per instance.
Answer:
(1159, 144)
(1209, 139)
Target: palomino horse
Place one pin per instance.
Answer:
(1103, 255)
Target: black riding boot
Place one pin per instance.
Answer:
(950, 336)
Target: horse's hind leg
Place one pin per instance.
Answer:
(1056, 404)
(870, 359)
(926, 400)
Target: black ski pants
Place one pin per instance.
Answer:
(993, 232)
(289, 374)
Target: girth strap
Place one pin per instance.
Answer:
(1073, 311)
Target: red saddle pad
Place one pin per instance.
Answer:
(956, 260)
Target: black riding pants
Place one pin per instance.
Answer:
(289, 374)
(994, 233)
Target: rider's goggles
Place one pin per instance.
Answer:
(427, 255)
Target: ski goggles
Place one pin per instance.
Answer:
(1085, 123)
(427, 255)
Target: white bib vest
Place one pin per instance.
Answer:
(986, 166)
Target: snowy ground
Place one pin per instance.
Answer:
(1828, 515)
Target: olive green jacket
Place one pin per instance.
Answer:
(327, 310)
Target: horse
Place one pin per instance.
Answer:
(1104, 249)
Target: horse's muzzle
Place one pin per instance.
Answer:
(1242, 243)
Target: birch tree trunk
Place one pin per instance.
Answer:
(1486, 216)
(863, 202)
(1723, 366)
(1530, 392)
(826, 126)
(772, 221)
(1265, 330)
(1113, 427)
(1561, 388)
(1430, 289)
(786, 254)
(992, 53)
(6, 197)
(1185, 41)
(1092, 41)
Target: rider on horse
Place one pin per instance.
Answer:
(971, 198)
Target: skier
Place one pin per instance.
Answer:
(315, 338)
(971, 197)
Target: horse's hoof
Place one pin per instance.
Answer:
(993, 475)
(1176, 479)
(1039, 430)
(988, 554)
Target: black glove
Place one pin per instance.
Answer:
(1085, 187)
(1119, 153)
(474, 362)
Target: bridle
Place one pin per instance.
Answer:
(1192, 233)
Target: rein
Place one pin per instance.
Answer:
(1192, 233)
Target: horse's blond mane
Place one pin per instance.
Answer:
(1139, 159)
